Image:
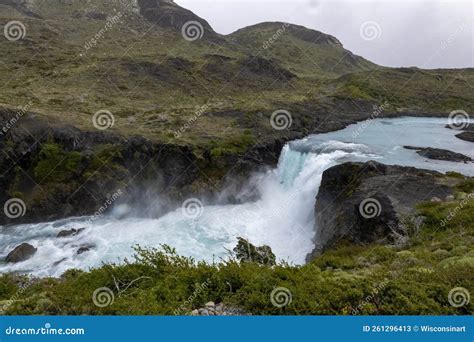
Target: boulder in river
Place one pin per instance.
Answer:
(21, 253)
(440, 154)
(84, 249)
(364, 203)
(467, 136)
(70, 232)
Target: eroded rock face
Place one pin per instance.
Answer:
(365, 203)
(21, 253)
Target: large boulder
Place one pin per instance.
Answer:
(366, 203)
(21, 253)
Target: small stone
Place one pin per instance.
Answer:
(195, 313)
(436, 199)
(449, 198)
(210, 304)
(203, 312)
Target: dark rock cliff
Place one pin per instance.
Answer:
(365, 203)
(61, 171)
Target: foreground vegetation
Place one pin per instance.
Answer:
(414, 279)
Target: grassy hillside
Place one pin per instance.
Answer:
(79, 57)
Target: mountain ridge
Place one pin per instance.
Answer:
(131, 59)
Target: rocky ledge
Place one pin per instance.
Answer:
(364, 203)
(440, 154)
(467, 133)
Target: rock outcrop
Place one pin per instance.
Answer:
(467, 136)
(21, 253)
(440, 154)
(366, 203)
(61, 171)
(467, 133)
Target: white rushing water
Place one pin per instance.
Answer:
(282, 218)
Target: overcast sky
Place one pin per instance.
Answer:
(427, 34)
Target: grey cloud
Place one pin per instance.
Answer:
(427, 34)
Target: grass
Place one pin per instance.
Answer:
(373, 279)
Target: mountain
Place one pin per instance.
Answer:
(305, 52)
(130, 58)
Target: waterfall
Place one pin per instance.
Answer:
(282, 217)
